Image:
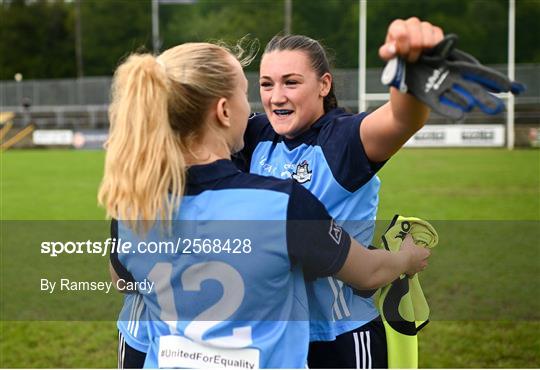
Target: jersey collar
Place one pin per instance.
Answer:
(204, 173)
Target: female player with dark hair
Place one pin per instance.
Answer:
(175, 120)
(303, 135)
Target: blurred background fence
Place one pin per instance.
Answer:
(83, 102)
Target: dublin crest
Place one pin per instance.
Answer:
(302, 174)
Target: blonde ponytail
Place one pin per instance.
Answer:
(144, 167)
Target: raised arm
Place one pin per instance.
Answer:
(384, 131)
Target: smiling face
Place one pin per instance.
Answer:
(291, 92)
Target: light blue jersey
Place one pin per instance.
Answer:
(328, 160)
(227, 288)
(132, 322)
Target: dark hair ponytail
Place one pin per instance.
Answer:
(317, 56)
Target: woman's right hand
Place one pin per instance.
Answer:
(418, 256)
(407, 38)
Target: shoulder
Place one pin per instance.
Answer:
(301, 203)
(341, 125)
(258, 119)
(244, 181)
(344, 151)
(259, 128)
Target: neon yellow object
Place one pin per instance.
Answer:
(402, 305)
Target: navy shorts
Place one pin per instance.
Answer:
(361, 348)
(129, 357)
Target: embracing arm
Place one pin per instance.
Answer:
(384, 131)
(323, 248)
(369, 269)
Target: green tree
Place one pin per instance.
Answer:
(111, 30)
(211, 20)
(480, 24)
(36, 39)
(334, 23)
(527, 31)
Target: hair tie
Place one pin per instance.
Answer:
(160, 62)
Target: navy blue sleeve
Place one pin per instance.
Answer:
(120, 270)
(258, 129)
(313, 238)
(345, 154)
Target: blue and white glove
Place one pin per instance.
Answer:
(450, 81)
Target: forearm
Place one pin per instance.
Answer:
(370, 269)
(409, 113)
(384, 131)
(387, 267)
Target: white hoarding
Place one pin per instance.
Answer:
(458, 136)
(52, 137)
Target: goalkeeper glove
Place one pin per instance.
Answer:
(450, 81)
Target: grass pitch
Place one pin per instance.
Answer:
(482, 283)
